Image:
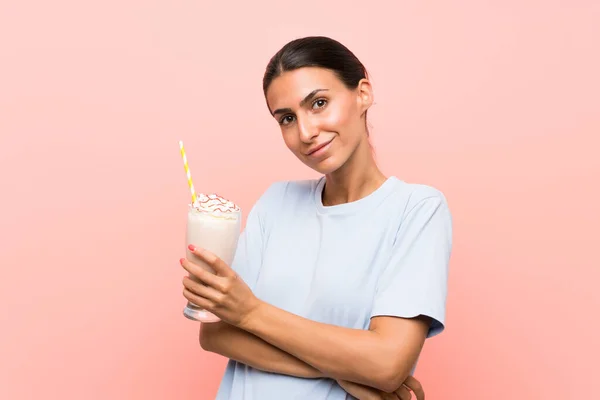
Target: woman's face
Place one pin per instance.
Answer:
(321, 120)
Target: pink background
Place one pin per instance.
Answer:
(495, 103)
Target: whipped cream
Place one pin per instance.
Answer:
(214, 204)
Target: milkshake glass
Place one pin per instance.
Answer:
(214, 224)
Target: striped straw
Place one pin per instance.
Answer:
(187, 172)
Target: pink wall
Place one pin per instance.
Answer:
(495, 104)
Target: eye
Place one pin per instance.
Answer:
(319, 103)
(286, 120)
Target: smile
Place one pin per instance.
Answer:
(320, 150)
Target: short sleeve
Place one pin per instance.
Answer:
(414, 282)
(249, 252)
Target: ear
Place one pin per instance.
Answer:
(364, 92)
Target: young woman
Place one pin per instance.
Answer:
(336, 282)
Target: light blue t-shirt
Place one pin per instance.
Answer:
(385, 254)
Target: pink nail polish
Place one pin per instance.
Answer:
(192, 247)
(181, 260)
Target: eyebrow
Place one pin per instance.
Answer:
(308, 98)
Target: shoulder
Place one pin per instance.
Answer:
(421, 194)
(424, 214)
(419, 200)
(279, 199)
(287, 193)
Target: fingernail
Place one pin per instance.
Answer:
(181, 260)
(192, 247)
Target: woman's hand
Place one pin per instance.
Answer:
(223, 293)
(402, 393)
(410, 384)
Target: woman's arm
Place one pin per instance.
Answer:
(236, 344)
(381, 357)
(364, 392)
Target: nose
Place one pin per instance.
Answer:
(307, 129)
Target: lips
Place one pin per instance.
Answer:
(318, 147)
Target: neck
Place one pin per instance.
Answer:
(357, 178)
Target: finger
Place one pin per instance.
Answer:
(220, 267)
(199, 301)
(201, 290)
(203, 275)
(416, 387)
(403, 393)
